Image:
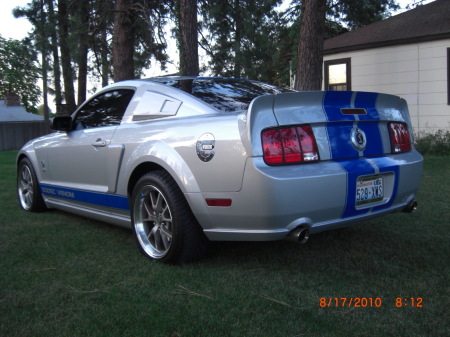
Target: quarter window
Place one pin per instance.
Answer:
(338, 74)
(105, 109)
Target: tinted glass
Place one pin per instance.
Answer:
(223, 94)
(104, 110)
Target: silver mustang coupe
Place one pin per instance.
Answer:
(184, 160)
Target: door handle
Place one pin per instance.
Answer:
(99, 143)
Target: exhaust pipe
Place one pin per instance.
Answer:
(299, 235)
(410, 208)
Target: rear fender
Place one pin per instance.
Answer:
(163, 155)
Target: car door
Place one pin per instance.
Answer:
(81, 160)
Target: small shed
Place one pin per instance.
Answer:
(17, 126)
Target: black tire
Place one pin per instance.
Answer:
(28, 190)
(164, 226)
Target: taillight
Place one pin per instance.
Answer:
(289, 145)
(400, 138)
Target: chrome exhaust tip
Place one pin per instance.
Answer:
(299, 235)
(410, 208)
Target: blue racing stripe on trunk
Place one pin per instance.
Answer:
(94, 198)
(340, 125)
(374, 145)
(368, 101)
(386, 164)
(354, 169)
(333, 101)
(340, 142)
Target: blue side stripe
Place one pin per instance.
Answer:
(94, 198)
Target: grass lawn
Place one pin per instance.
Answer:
(63, 275)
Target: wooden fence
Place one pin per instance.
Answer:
(13, 135)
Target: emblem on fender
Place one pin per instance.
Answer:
(358, 138)
(206, 147)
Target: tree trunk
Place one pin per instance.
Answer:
(310, 45)
(104, 57)
(44, 63)
(83, 51)
(189, 63)
(237, 39)
(56, 63)
(65, 53)
(123, 41)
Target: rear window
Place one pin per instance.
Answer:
(224, 94)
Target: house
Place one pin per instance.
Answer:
(406, 55)
(17, 126)
(11, 111)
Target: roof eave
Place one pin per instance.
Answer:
(389, 43)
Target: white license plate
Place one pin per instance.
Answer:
(369, 189)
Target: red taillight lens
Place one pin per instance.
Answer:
(273, 152)
(289, 145)
(400, 138)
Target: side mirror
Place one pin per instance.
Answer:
(62, 123)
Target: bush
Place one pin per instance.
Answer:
(438, 143)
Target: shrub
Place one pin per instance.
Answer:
(438, 143)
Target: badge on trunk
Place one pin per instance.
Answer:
(358, 138)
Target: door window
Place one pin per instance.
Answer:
(105, 109)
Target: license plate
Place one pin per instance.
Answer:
(369, 190)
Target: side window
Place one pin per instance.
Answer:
(338, 74)
(104, 110)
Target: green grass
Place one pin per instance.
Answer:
(63, 275)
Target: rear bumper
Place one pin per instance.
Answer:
(274, 201)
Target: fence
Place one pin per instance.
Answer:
(13, 135)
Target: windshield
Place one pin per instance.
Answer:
(224, 94)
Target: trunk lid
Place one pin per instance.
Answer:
(346, 124)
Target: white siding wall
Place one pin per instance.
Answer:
(416, 72)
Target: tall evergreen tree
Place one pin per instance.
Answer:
(188, 37)
(123, 40)
(310, 45)
(341, 15)
(52, 18)
(66, 59)
(82, 33)
(239, 36)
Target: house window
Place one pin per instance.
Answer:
(338, 74)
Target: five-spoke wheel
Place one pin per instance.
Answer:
(28, 191)
(164, 226)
